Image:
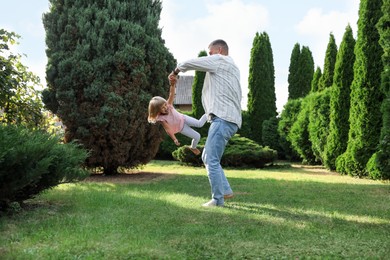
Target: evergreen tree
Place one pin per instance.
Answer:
(299, 133)
(106, 59)
(340, 100)
(366, 96)
(326, 79)
(305, 72)
(288, 117)
(197, 86)
(300, 72)
(379, 166)
(319, 110)
(261, 96)
(270, 135)
(293, 75)
(316, 79)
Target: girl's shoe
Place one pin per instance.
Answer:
(195, 151)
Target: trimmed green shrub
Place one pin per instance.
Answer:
(271, 136)
(287, 119)
(239, 152)
(299, 133)
(245, 129)
(184, 155)
(167, 146)
(33, 161)
(319, 122)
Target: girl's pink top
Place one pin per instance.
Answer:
(174, 119)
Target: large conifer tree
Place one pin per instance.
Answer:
(261, 96)
(379, 168)
(326, 79)
(340, 100)
(366, 96)
(300, 72)
(293, 76)
(305, 72)
(106, 59)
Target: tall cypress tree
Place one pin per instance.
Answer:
(106, 59)
(316, 79)
(366, 96)
(197, 86)
(379, 167)
(300, 72)
(293, 75)
(261, 96)
(340, 100)
(319, 110)
(305, 72)
(326, 79)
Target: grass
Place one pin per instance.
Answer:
(278, 212)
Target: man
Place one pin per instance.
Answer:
(221, 99)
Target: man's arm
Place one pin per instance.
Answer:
(205, 64)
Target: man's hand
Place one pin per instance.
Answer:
(172, 78)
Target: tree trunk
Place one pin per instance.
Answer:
(110, 170)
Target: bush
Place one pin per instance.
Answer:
(244, 152)
(33, 161)
(239, 152)
(271, 136)
(287, 119)
(185, 155)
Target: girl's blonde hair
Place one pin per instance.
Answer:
(154, 109)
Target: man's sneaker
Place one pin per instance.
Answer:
(211, 203)
(228, 196)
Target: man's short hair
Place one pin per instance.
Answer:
(220, 43)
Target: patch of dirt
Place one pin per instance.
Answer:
(314, 169)
(133, 177)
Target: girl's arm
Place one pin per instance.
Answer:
(172, 93)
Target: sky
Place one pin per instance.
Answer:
(188, 26)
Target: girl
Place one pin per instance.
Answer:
(161, 110)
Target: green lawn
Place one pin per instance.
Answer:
(285, 212)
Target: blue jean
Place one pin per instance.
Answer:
(219, 134)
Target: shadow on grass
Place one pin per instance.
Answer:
(346, 199)
(266, 218)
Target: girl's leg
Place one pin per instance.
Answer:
(191, 133)
(195, 122)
